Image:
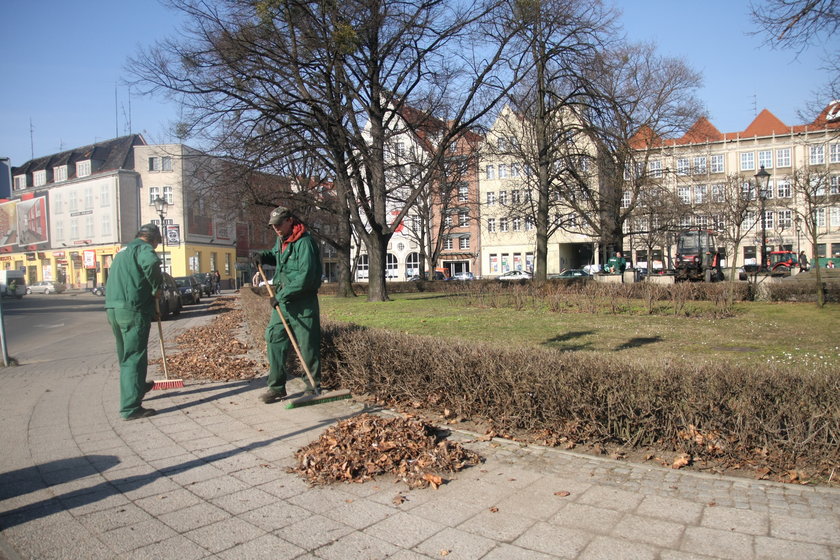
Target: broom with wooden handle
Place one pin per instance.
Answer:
(164, 383)
(317, 397)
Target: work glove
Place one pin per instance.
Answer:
(274, 303)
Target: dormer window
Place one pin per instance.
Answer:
(83, 168)
(20, 182)
(39, 178)
(158, 163)
(59, 173)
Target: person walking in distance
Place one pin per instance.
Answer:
(134, 281)
(297, 277)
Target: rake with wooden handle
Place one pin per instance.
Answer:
(164, 383)
(317, 397)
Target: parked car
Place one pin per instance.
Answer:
(189, 288)
(45, 287)
(170, 302)
(515, 275)
(205, 283)
(569, 273)
(464, 276)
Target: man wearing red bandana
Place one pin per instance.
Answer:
(297, 277)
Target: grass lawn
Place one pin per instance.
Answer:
(797, 334)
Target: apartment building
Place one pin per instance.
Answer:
(698, 166)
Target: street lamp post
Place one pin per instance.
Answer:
(161, 206)
(763, 177)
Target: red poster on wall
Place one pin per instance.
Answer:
(89, 256)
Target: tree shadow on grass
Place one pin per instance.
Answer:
(560, 342)
(638, 342)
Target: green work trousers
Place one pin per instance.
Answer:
(131, 331)
(303, 317)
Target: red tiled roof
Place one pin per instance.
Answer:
(766, 124)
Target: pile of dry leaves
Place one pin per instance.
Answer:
(212, 352)
(360, 448)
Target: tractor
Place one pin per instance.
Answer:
(780, 263)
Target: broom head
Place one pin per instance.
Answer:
(308, 400)
(167, 384)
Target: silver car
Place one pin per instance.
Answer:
(45, 287)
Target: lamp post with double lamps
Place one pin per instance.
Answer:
(161, 206)
(762, 182)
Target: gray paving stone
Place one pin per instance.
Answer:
(165, 502)
(138, 535)
(564, 542)
(275, 515)
(453, 511)
(404, 530)
(737, 520)
(589, 518)
(767, 548)
(497, 524)
(359, 513)
(717, 543)
(659, 533)
(216, 487)
(192, 517)
(243, 500)
(265, 547)
(314, 532)
(106, 520)
(178, 547)
(607, 548)
(610, 498)
(506, 551)
(820, 531)
(670, 509)
(356, 546)
(456, 545)
(224, 534)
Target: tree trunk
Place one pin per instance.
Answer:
(377, 248)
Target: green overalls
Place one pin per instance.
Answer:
(133, 281)
(297, 277)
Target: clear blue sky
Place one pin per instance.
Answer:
(62, 62)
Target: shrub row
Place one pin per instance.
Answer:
(765, 416)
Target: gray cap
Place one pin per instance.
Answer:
(278, 215)
(151, 231)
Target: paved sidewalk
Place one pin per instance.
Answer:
(206, 478)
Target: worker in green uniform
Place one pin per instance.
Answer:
(616, 264)
(134, 281)
(297, 277)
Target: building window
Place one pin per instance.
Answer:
(154, 193)
(684, 194)
(502, 171)
(768, 219)
(59, 230)
(20, 182)
(362, 266)
(626, 198)
(718, 192)
(391, 266)
(783, 188)
(699, 194)
(502, 197)
(783, 157)
(88, 198)
(700, 165)
(447, 244)
(489, 172)
(447, 221)
(74, 229)
(517, 224)
(74, 203)
(104, 196)
(655, 167)
(83, 168)
(769, 192)
(464, 243)
(491, 224)
(59, 173)
(89, 231)
(834, 153)
(39, 178)
(158, 163)
(463, 193)
(463, 219)
(514, 196)
(834, 184)
(491, 198)
(816, 155)
(747, 161)
(529, 223)
(105, 224)
(167, 195)
(503, 224)
(819, 214)
(716, 164)
(56, 204)
(785, 220)
(514, 167)
(682, 166)
(765, 159)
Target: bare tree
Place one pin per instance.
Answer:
(334, 80)
(813, 198)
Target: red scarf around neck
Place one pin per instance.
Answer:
(297, 232)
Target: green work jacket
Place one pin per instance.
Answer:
(134, 278)
(297, 274)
